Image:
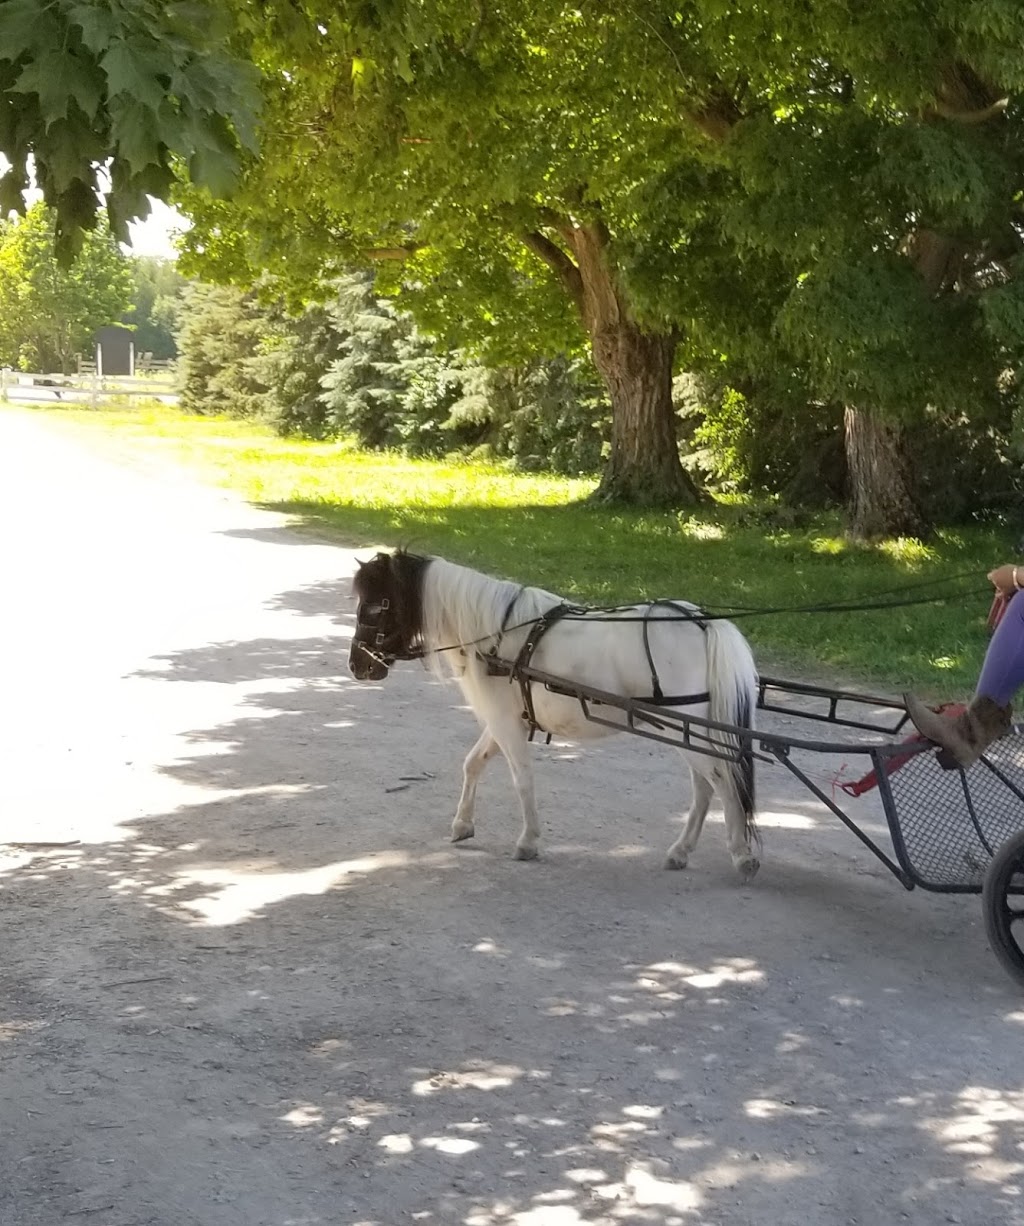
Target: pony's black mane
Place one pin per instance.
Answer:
(398, 578)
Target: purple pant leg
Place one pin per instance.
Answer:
(1002, 673)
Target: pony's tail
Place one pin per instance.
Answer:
(732, 685)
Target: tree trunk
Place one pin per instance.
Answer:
(643, 465)
(882, 502)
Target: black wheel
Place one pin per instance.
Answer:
(1003, 904)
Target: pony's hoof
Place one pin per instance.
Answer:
(463, 832)
(677, 861)
(525, 853)
(747, 868)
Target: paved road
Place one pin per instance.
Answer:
(257, 986)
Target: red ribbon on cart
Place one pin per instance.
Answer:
(858, 787)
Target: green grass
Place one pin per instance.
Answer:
(537, 529)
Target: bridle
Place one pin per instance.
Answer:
(377, 635)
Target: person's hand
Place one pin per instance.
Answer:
(1004, 578)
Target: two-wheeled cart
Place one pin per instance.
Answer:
(953, 831)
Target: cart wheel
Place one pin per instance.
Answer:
(1004, 921)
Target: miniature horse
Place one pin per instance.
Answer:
(461, 622)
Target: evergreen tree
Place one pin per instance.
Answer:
(547, 413)
(294, 363)
(221, 345)
(157, 298)
(432, 382)
(362, 388)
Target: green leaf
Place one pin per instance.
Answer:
(131, 73)
(84, 82)
(25, 25)
(97, 24)
(12, 184)
(215, 169)
(134, 129)
(45, 77)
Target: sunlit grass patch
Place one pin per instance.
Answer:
(701, 531)
(947, 663)
(909, 552)
(829, 546)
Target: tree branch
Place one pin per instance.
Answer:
(971, 117)
(391, 253)
(717, 119)
(556, 221)
(937, 258)
(964, 97)
(474, 36)
(599, 233)
(557, 260)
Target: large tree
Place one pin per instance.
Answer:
(869, 211)
(700, 173)
(489, 157)
(842, 181)
(49, 312)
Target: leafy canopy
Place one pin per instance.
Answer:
(118, 95)
(446, 134)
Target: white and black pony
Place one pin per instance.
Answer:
(461, 621)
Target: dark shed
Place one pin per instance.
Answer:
(115, 351)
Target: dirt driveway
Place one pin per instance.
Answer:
(260, 988)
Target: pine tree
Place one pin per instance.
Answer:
(157, 300)
(221, 346)
(293, 366)
(548, 413)
(362, 389)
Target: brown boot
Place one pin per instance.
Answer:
(965, 737)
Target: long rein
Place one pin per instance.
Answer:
(608, 613)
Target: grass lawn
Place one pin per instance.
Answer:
(537, 530)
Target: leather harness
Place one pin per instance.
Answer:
(518, 670)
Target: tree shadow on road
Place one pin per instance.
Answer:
(368, 1025)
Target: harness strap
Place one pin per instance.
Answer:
(518, 669)
(522, 661)
(678, 700)
(655, 683)
(657, 697)
(492, 651)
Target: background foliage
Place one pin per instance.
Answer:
(48, 312)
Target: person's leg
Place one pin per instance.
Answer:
(966, 737)
(1002, 671)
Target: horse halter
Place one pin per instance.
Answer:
(378, 638)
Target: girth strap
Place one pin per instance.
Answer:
(522, 661)
(657, 697)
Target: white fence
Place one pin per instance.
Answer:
(87, 387)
